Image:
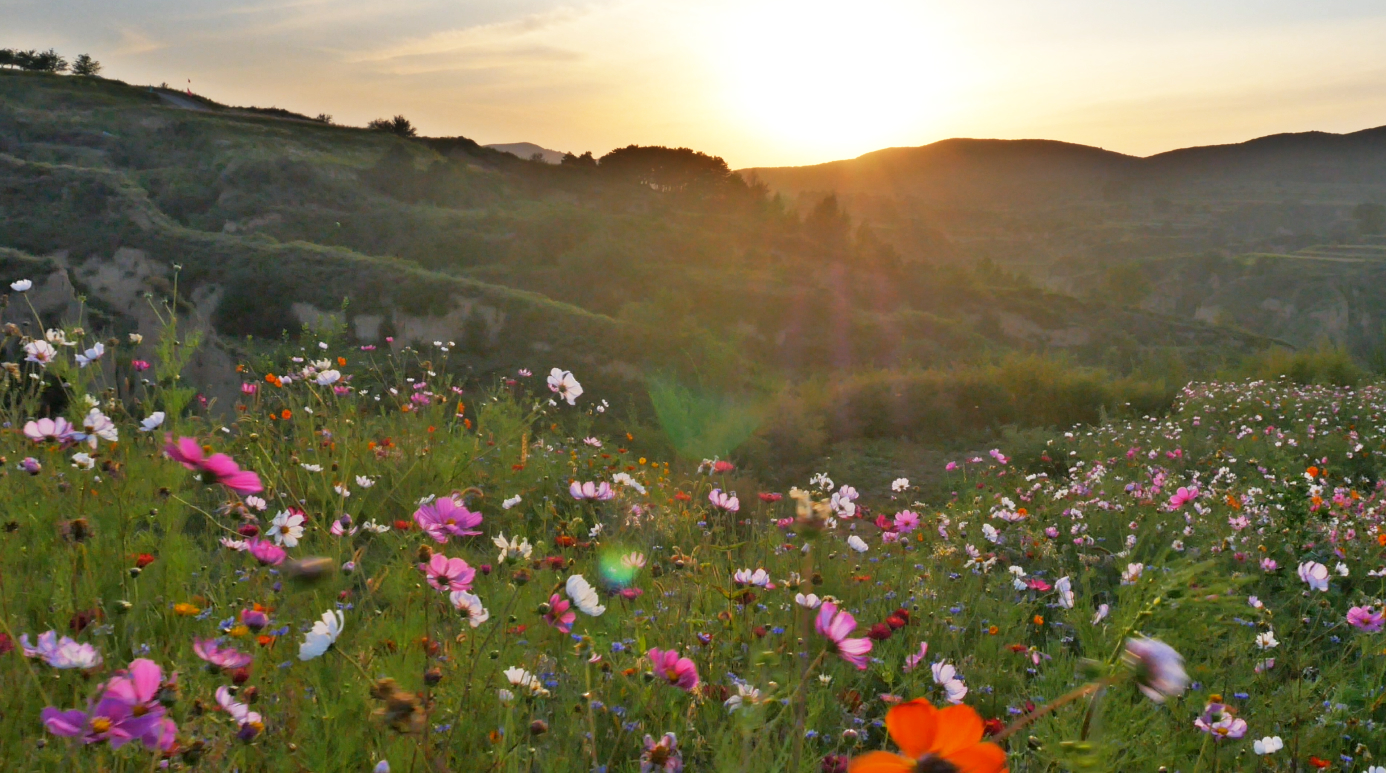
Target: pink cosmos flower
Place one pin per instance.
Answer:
(680, 672)
(1183, 496)
(950, 466)
(913, 661)
(221, 657)
(1219, 721)
(61, 653)
(446, 517)
(589, 490)
(1314, 574)
(906, 521)
(836, 624)
(1037, 584)
(1365, 619)
(140, 366)
(220, 467)
(724, 501)
(266, 552)
(560, 614)
(128, 710)
(59, 430)
(448, 574)
(248, 388)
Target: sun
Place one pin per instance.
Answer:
(837, 77)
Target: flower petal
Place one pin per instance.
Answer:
(913, 726)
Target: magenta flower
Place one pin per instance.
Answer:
(58, 430)
(906, 521)
(680, 672)
(1363, 618)
(836, 624)
(140, 366)
(128, 710)
(248, 388)
(220, 657)
(446, 517)
(560, 614)
(217, 468)
(589, 490)
(448, 574)
(1183, 496)
(266, 552)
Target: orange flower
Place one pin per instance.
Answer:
(1039, 620)
(1313, 472)
(341, 361)
(1381, 539)
(925, 734)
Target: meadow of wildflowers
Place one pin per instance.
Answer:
(365, 564)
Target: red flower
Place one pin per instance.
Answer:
(144, 559)
(1318, 763)
(880, 632)
(766, 496)
(895, 623)
(402, 525)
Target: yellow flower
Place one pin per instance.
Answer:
(239, 631)
(184, 609)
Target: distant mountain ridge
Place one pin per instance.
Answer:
(1019, 172)
(526, 150)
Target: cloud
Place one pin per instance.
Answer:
(135, 41)
(474, 39)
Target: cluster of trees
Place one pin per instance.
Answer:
(48, 61)
(397, 125)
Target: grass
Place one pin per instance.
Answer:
(133, 563)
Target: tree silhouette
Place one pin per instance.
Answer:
(668, 169)
(48, 61)
(397, 125)
(85, 65)
(584, 160)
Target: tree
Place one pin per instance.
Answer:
(7, 58)
(48, 61)
(584, 160)
(323, 118)
(397, 125)
(668, 169)
(827, 225)
(85, 65)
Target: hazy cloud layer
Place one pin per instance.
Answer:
(758, 81)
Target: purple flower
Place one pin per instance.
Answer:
(1219, 721)
(128, 710)
(1365, 619)
(61, 653)
(1159, 668)
(447, 517)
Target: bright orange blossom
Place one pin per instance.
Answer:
(947, 739)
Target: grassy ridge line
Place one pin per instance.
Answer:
(254, 271)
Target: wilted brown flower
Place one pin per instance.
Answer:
(400, 709)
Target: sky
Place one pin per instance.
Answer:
(758, 82)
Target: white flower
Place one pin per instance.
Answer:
(821, 481)
(286, 528)
(83, 461)
(378, 528)
(1132, 573)
(98, 425)
(1341, 569)
(811, 601)
(856, 543)
(469, 605)
(364, 482)
(256, 502)
(1266, 641)
(91, 355)
(518, 547)
(993, 536)
(625, 479)
(56, 336)
(239, 712)
(505, 697)
(327, 378)
(153, 422)
(947, 676)
(584, 596)
(311, 467)
(136, 339)
(746, 695)
(323, 635)
(1315, 574)
(511, 502)
(22, 286)
(634, 560)
(521, 678)
(1272, 744)
(341, 489)
(899, 484)
(1065, 588)
(563, 383)
(41, 352)
(1102, 610)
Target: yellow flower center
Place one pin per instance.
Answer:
(100, 725)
